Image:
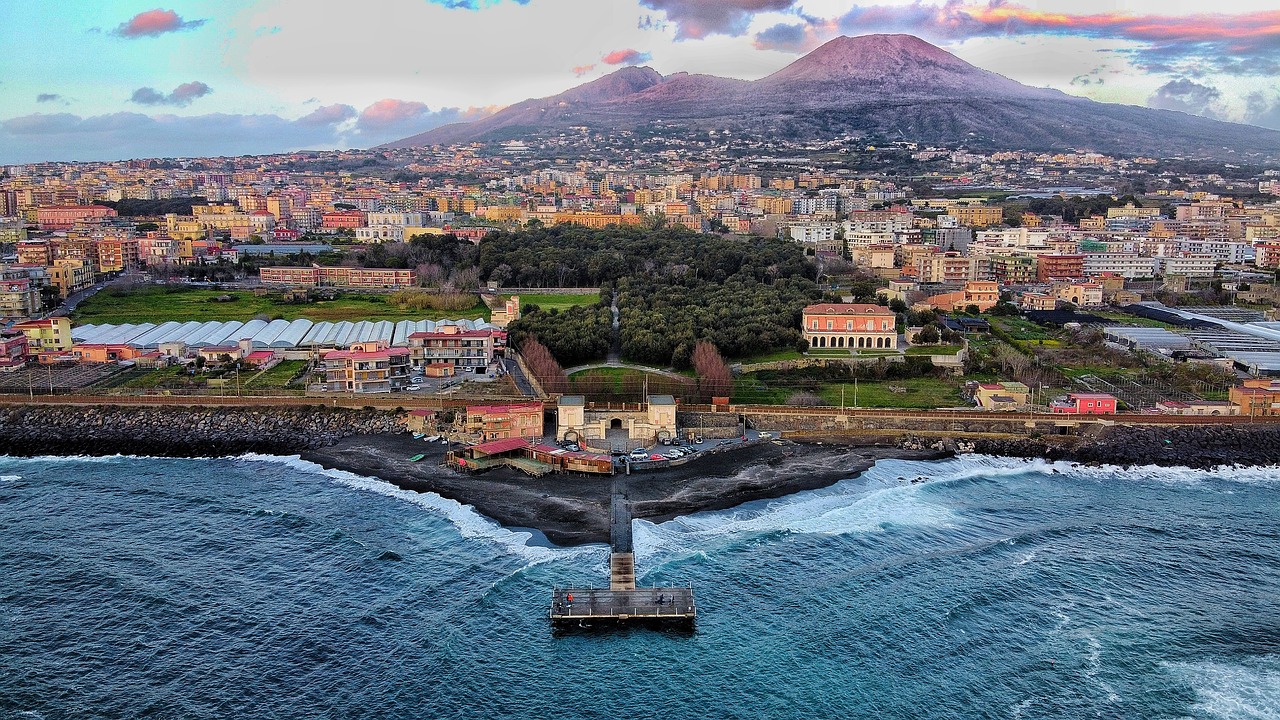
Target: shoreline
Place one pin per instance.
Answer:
(573, 510)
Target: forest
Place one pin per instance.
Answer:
(674, 288)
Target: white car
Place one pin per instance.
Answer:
(639, 454)
(413, 388)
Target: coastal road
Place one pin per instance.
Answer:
(517, 376)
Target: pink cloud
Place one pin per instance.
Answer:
(625, 57)
(153, 23)
(581, 70)
(1240, 43)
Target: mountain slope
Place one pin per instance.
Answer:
(895, 86)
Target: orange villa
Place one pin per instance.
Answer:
(850, 325)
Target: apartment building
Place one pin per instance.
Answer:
(64, 217)
(500, 422)
(1054, 265)
(370, 367)
(19, 297)
(1189, 265)
(1126, 265)
(466, 350)
(48, 334)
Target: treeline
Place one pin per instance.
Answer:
(153, 208)
(1073, 208)
(575, 336)
(662, 321)
(576, 256)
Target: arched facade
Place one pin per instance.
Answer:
(850, 325)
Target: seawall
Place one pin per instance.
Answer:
(27, 430)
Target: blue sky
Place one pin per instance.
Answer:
(85, 79)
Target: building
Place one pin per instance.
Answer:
(656, 420)
(116, 253)
(1084, 404)
(13, 350)
(1052, 266)
(499, 422)
(1189, 265)
(71, 276)
(977, 215)
(509, 311)
(1080, 294)
(371, 367)
(1127, 265)
(49, 334)
(982, 293)
(850, 325)
(320, 276)
(19, 297)
(1257, 397)
(1037, 301)
(465, 350)
(1002, 396)
(104, 353)
(950, 268)
(343, 219)
(64, 217)
(1013, 269)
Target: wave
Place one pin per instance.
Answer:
(464, 518)
(1233, 691)
(10, 478)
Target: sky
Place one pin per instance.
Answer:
(119, 79)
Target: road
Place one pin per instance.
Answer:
(517, 375)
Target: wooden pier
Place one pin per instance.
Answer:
(622, 603)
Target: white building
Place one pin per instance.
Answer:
(1189, 265)
(1123, 264)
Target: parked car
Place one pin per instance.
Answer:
(413, 388)
(698, 440)
(656, 456)
(639, 454)
(673, 454)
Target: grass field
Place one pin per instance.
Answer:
(925, 392)
(556, 301)
(276, 377)
(624, 384)
(776, 356)
(934, 349)
(1024, 330)
(161, 304)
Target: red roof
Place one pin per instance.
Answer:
(423, 334)
(847, 309)
(499, 446)
(357, 355)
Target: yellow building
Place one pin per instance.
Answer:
(49, 334)
(977, 215)
(70, 275)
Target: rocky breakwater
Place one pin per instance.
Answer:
(1203, 446)
(182, 432)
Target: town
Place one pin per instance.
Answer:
(1064, 283)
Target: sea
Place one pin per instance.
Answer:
(975, 587)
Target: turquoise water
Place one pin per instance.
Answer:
(266, 587)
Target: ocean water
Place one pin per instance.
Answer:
(268, 588)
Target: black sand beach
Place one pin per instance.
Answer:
(573, 509)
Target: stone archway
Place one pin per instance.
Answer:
(615, 424)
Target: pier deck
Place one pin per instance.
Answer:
(620, 606)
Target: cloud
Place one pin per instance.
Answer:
(1262, 111)
(1239, 44)
(329, 115)
(626, 57)
(1186, 96)
(182, 96)
(580, 70)
(391, 119)
(472, 4)
(154, 23)
(696, 19)
(65, 136)
(48, 97)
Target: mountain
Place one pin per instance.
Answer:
(873, 86)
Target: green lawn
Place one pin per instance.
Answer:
(1120, 318)
(776, 356)
(925, 392)
(1020, 329)
(161, 304)
(624, 384)
(276, 377)
(556, 301)
(934, 349)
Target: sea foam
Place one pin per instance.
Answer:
(1234, 691)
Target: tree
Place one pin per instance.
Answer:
(972, 309)
(50, 297)
(928, 335)
(714, 377)
(898, 305)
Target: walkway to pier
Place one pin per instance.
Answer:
(658, 603)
